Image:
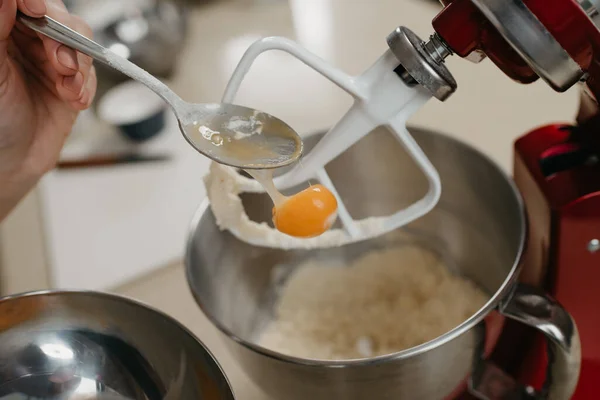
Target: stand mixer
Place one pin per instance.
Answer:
(556, 166)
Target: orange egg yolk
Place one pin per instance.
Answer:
(307, 214)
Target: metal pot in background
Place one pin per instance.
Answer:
(150, 33)
(479, 226)
(151, 38)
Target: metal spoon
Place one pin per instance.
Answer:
(228, 134)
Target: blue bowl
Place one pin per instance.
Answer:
(145, 129)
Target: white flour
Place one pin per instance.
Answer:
(384, 302)
(223, 186)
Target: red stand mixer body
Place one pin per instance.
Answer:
(556, 168)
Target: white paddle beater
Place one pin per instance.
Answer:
(386, 95)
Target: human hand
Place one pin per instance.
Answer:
(43, 86)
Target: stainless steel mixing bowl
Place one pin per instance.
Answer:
(151, 37)
(85, 345)
(478, 228)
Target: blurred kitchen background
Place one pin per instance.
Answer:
(123, 227)
(105, 227)
(101, 228)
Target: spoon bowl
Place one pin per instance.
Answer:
(229, 134)
(235, 135)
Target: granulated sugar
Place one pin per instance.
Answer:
(382, 303)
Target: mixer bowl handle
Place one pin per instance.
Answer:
(535, 308)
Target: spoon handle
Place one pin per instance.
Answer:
(65, 35)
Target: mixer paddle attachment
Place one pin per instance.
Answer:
(382, 98)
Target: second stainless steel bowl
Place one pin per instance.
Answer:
(86, 345)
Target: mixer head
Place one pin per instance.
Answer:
(556, 40)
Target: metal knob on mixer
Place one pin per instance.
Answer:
(423, 62)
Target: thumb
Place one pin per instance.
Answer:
(8, 13)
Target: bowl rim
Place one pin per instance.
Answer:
(133, 302)
(504, 291)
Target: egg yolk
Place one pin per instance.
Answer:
(307, 214)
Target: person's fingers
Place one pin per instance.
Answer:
(56, 5)
(70, 88)
(46, 75)
(41, 73)
(33, 8)
(72, 67)
(66, 60)
(13, 51)
(85, 63)
(88, 94)
(33, 60)
(63, 58)
(68, 74)
(73, 85)
(30, 47)
(8, 12)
